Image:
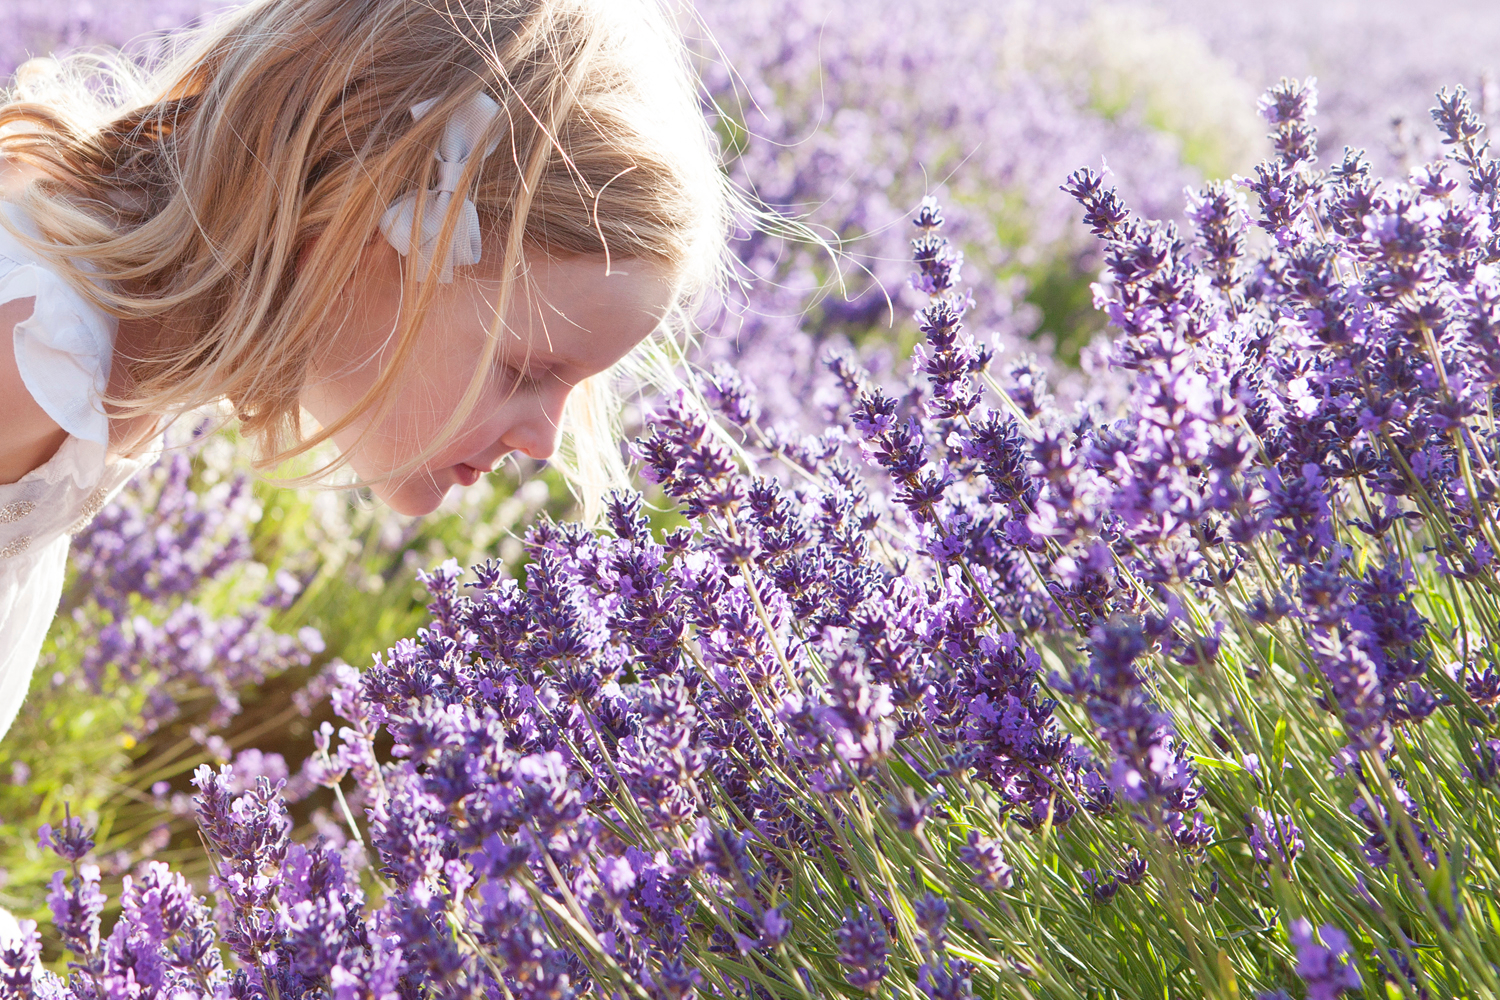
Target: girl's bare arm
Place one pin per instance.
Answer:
(28, 436)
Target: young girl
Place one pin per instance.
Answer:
(430, 227)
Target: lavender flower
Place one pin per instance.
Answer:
(984, 856)
(1274, 837)
(932, 916)
(72, 842)
(76, 905)
(20, 961)
(1102, 886)
(946, 980)
(1132, 868)
(863, 950)
(1149, 767)
(1322, 967)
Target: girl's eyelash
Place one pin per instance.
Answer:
(520, 376)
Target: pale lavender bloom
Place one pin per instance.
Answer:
(20, 960)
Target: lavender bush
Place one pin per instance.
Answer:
(967, 695)
(184, 638)
(202, 620)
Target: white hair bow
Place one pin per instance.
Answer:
(460, 136)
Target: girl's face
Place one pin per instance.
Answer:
(570, 319)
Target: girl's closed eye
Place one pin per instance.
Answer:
(522, 376)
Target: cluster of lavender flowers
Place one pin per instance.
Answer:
(203, 619)
(965, 695)
(146, 572)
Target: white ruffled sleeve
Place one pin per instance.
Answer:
(63, 352)
(64, 349)
(63, 358)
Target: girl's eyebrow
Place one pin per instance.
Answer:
(535, 362)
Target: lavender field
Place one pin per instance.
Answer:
(1081, 585)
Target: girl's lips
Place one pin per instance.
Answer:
(467, 474)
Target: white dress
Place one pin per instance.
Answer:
(63, 352)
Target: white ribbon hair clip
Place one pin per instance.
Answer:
(460, 136)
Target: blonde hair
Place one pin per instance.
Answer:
(285, 120)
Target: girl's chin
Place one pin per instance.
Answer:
(413, 499)
(422, 494)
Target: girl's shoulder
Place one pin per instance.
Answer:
(56, 350)
(28, 433)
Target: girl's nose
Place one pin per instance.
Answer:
(537, 446)
(536, 433)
